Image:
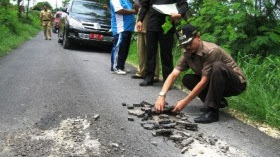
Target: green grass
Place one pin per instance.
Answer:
(132, 55)
(14, 31)
(261, 100)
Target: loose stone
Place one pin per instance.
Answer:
(130, 119)
(185, 149)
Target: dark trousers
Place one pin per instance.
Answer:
(166, 42)
(224, 82)
(120, 50)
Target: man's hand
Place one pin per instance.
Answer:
(179, 106)
(139, 26)
(175, 17)
(159, 106)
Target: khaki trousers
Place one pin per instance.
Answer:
(142, 56)
(47, 29)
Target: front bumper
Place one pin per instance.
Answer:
(83, 36)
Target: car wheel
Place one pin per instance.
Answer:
(59, 38)
(53, 30)
(66, 41)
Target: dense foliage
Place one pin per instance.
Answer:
(13, 29)
(244, 26)
(39, 6)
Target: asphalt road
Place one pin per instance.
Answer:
(49, 96)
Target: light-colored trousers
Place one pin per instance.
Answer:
(47, 29)
(142, 56)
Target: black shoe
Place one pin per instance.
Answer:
(137, 77)
(146, 83)
(223, 103)
(208, 117)
(156, 80)
(204, 109)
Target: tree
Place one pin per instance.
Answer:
(39, 6)
(4, 3)
(247, 26)
(65, 3)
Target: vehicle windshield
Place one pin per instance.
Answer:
(89, 8)
(57, 15)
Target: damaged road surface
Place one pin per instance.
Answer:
(62, 103)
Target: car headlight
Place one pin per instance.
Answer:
(73, 23)
(96, 26)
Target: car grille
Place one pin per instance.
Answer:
(90, 26)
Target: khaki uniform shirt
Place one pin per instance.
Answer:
(202, 61)
(46, 17)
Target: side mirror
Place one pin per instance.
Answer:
(64, 9)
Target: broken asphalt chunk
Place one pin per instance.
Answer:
(144, 103)
(146, 117)
(154, 143)
(130, 107)
(185, 149)
(163, 116)
(130, 119)
(95, 117)
(148, 126)
(188, 126)
(115, 145)
(176, 137)
(137, 113)
(164, 121)
(163, 132)
(187, 142)
(138, 105)
(168, 126)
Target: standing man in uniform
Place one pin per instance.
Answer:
(122, 23)
(142, 52)
(216, 76)
(46, 18)
(155, 35)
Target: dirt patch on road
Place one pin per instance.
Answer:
(71, 138)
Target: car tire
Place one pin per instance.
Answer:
(66, 41)
(60, 40)
(53, 30)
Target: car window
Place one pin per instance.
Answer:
(57, 15)
(81, 7)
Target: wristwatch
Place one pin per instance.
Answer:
(162, 94)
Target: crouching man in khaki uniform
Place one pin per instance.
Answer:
(46, 21)
(216, 76)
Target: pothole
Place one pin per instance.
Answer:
(184, 133)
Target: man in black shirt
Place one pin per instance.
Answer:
(155, 35)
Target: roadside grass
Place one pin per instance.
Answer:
(261, 100)
(132, 55)
(13, 31)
